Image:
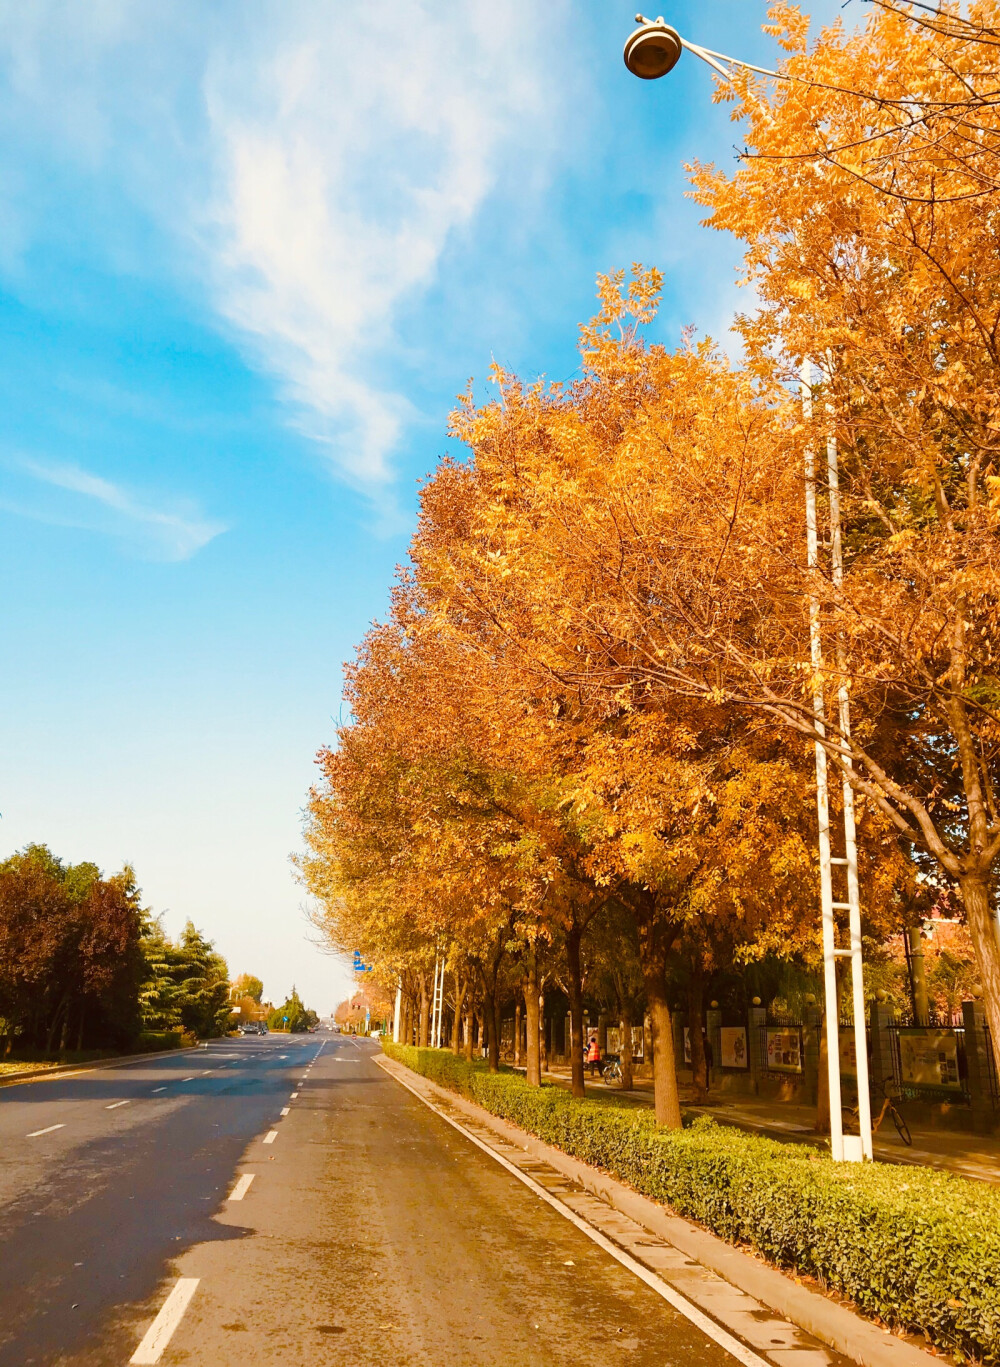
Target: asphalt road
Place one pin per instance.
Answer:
(365, 1230)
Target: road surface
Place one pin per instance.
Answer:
(364, 1229)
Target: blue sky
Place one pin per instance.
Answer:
(248, 256)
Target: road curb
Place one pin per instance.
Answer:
(833, 1324)
(68, 1069)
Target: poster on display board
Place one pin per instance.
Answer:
(784, 1049)
(615, 1040)
(848, 1054)
(733, 1046)
(929, 1057)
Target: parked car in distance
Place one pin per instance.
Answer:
(253, 1028)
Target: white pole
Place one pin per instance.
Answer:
(822, 801)
(436, 1012)
(397, 1019)
(850, 827)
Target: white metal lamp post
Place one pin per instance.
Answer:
(652, 51)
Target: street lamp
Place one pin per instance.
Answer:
(655, 48)
(652, 51)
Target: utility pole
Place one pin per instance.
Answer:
(651, 52)
(437, 1001)
(850, 1148)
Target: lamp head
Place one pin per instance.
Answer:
(653, 49)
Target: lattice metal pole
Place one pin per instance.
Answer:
(438, 1005)
(853, 904)
(822, 799)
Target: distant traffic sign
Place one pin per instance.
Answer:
(359, 965)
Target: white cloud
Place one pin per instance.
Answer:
(347, 156)
(96, 504)
(305, 164)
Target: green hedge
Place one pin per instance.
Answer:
(918, 1248)
(151, 1041)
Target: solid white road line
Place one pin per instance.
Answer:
(270, 1137)
(48, 1130)
(115, 1104)
(242, 1186)
(161, 1331)
(284, 1110)
(690, 1312)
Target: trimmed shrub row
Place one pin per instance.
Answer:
(151, 1041)
(917, 1248)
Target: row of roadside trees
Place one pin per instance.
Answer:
(591, 718)
(84, 966)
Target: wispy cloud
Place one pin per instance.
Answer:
(304, 167)
(348, 155)
(85, 500)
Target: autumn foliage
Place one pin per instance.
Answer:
(593, 705)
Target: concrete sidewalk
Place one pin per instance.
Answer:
(967, 1155)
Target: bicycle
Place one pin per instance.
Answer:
(902, 1129)
(612, 1070)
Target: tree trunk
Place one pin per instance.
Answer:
(50, 1038)
(492, 1031)
(460, 991)
(79, 1033)
(696, 1028)
(575, 986)
(918, 978)
(543, 1042)
(468, 1036)
(517, 1034)
(823, 1087)
(984, 932)
(823, 1091)
(534, 1060)
(666, 1100)
(626, 1050)
(425, 1012)
(656, 937)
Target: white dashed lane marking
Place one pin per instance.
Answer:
(159, 1089)
(284, 1110)
(48, 1130)
(241, 1187)
(270, 1137)
(161, 1331)
(115, 1104)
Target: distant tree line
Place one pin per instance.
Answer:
(84, 966)
(292, 1015)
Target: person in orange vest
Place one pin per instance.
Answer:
(594, 1055)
